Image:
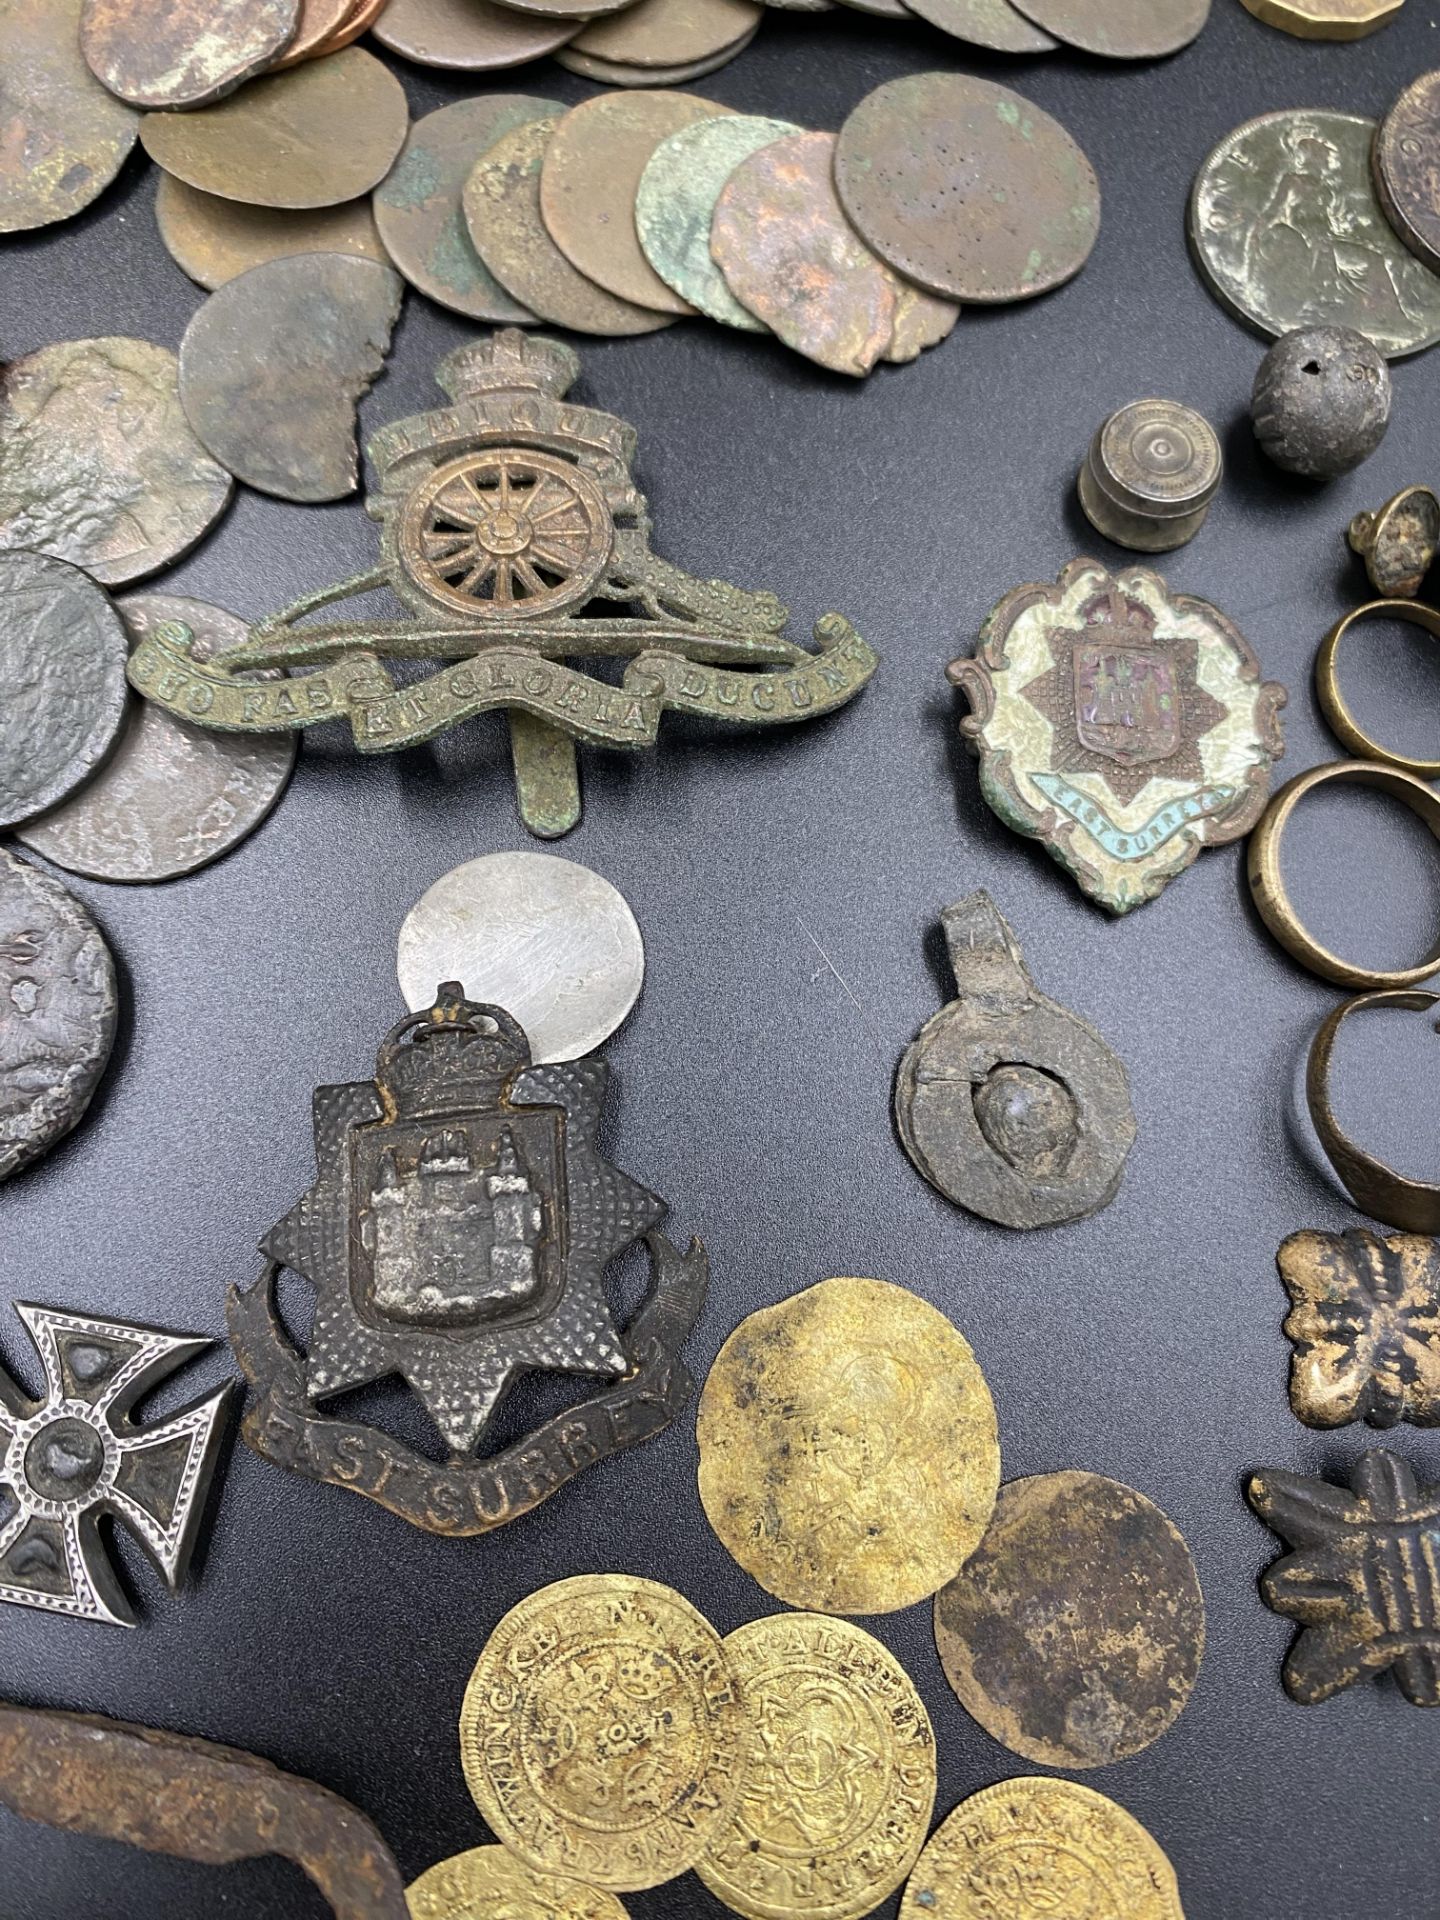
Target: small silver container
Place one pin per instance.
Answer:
(1150, 475)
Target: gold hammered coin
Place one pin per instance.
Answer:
(1035, 1847)
(839, 1779)
(848, 1452)
(487, 1883)
(602, 1733)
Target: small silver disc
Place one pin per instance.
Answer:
(546, 939)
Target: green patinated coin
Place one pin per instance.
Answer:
(418, 206)
(66, 137)
(675, 204)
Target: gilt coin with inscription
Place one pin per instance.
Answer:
(849, 1456)
(553, 943)
(171, 797)
(1406, 166)
(1120, 29)
(213, 240)
(57, 1011)
(1287, 232)
(418, 206)
(62, 681)
(66, 136)
(1035, 1846)
(489, 1883)
(314, 136)
(183, 53)
(1074, 1632)
(98, 464)
(839, 1776)
(603, 1732)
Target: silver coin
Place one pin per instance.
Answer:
(171, 797)
(548, 940)
(62, 681)
(57, 1011)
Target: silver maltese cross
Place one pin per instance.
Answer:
(75, 1455)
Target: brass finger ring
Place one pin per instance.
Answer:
(1343, 723)
(1377, 1189)
(1268, 887)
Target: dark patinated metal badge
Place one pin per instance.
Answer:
(502, 517)
(1007, 1102)
(457, 1235)
(1362, 1579)
(1365, 1323)
(74, 1455)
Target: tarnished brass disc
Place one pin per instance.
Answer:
(1406, 165)
(183, 53)
(995, 24)
(66, 136)
(620, 73)
(839, 1773)
(502, 211)
(1075, 1630)
(322, 133)
(213, 239)
(669, 33)
(1034, 1847)
(588, 182)
(603, 1732)
(848, 1450)
(1326, 19)
(320, 21)
(791, 258)
(470, 36)
(487, 1883)
(925, 164)
(1120, 29)
(418, 205)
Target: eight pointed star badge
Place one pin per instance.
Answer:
(74, 1455)
(457, 1235)
(1123, 726)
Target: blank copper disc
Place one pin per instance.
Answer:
(967, 188)
(986, 23)
(620, 73)
(1075, 1630)
(670, 33)
(213, 240)
(1120, 29)
(469, 36)
(182, 53)
(360, 16)
(320, 21)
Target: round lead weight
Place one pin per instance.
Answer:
(1150, 475)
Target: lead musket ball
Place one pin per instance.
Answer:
(1322, 401)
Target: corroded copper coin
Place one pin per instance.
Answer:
(183, 53)
(788, 254)
(98, 463)
(66, 136)
(620, 73)
(1120, 29)
(670, 33)
(588, 182)
(273, 366)
(502, 211)
(1075, 1630)
(470, 36)
(967, 188)
(320, 21)
(213, 239)
(418, 205)
(318, 135)
(986, 23)
(1407, 167)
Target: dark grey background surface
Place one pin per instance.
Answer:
(789, 889)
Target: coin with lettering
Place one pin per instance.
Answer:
(170, 797)
(418, 205)
(675, 207)
(1406, 166)
(66, 136)
(1035, 1846)
(1287, 232)
(314, 136)
(848, 1449)
(470, 36)
(553, 943)
(487, 1883)
(1075, 1630)
(274, 365)
(62, 681)
(502, 211)
(213, 240)
(839, 1774)
(98, 463)
(57, 1012)
(1120, 29)
(603, 1732)
(183, 53)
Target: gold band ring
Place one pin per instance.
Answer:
(1268, 888)
(1343, 723)
(1375, 1188)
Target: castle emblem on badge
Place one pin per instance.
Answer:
(457, 1235)
(1123, 726)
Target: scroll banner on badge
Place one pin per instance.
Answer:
(385, 717)
(462, 1497)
